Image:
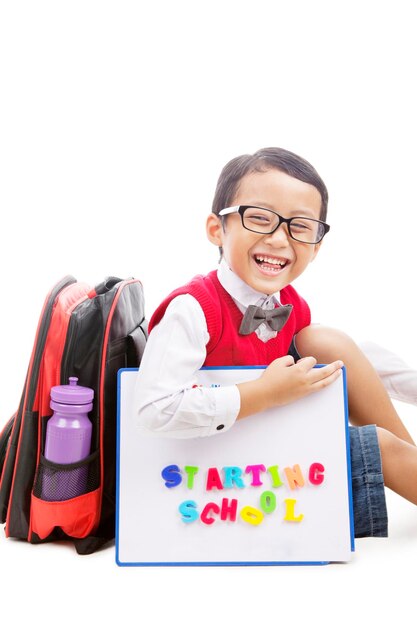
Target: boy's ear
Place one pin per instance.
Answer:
(214, 230)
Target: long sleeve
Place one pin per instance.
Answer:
(400, 380)
(167, 400)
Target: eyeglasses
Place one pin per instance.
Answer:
(266, 222)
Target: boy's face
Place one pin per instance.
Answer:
(243, 249)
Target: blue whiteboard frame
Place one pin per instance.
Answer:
(121, 563)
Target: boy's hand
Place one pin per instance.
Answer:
(284, 381)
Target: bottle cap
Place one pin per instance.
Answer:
(72, 393)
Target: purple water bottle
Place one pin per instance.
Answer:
(68, 440)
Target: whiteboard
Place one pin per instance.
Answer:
(274, 489)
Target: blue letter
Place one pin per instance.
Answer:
(188, 511)
(172, 476)
(233, 476)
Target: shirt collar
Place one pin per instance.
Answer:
(242, 293)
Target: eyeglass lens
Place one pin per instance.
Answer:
(302, 229)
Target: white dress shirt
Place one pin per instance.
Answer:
(165, 400)
(399, 378)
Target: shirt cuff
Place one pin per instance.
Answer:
(227, 406)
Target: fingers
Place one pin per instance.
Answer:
(284, 382)
(323, 376)
(306, 363)
(285, 361)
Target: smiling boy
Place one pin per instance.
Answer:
(268, 220)
(269, 263)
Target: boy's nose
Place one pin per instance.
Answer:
(280, 236)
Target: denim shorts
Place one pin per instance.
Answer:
(368, 490)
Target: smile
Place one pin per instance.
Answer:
(271, 265)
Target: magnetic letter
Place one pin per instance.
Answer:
(268, 502)
(289, 511)
(255, 470)
(233, 477)
(228, 510)
(316, 473)
(276, 479)
(213, 479)
(188, 511)
(251, 515)
(172, 476)
(211, 506)
(191, 471)
(294, 477)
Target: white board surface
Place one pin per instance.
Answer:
(252, 475)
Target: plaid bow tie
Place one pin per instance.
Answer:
(255, 315)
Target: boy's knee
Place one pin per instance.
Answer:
(383, 437)
(389, 444)
(323, 341)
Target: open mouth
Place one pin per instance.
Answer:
(271, 265)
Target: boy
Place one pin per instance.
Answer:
(268, 219)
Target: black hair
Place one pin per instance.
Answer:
(262, 161)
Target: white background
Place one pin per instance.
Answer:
(116, 118)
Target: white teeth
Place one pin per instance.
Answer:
(268, 259)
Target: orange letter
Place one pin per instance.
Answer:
(294, 477)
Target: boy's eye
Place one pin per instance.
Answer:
(301, 226)
(259, 217)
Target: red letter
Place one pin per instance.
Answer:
(228, 510)
(315, 475)
(211, 506)
(213, 479)
(255, 469)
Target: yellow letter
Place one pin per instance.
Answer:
(251, 515)
(289, 511)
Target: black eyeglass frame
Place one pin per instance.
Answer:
(282, 220)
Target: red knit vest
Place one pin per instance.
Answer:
(226, 346)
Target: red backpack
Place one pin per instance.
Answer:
(88, 333)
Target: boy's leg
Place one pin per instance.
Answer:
(368, 400)
(399, 465)
(368, 490)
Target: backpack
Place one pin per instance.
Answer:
(85, 333)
